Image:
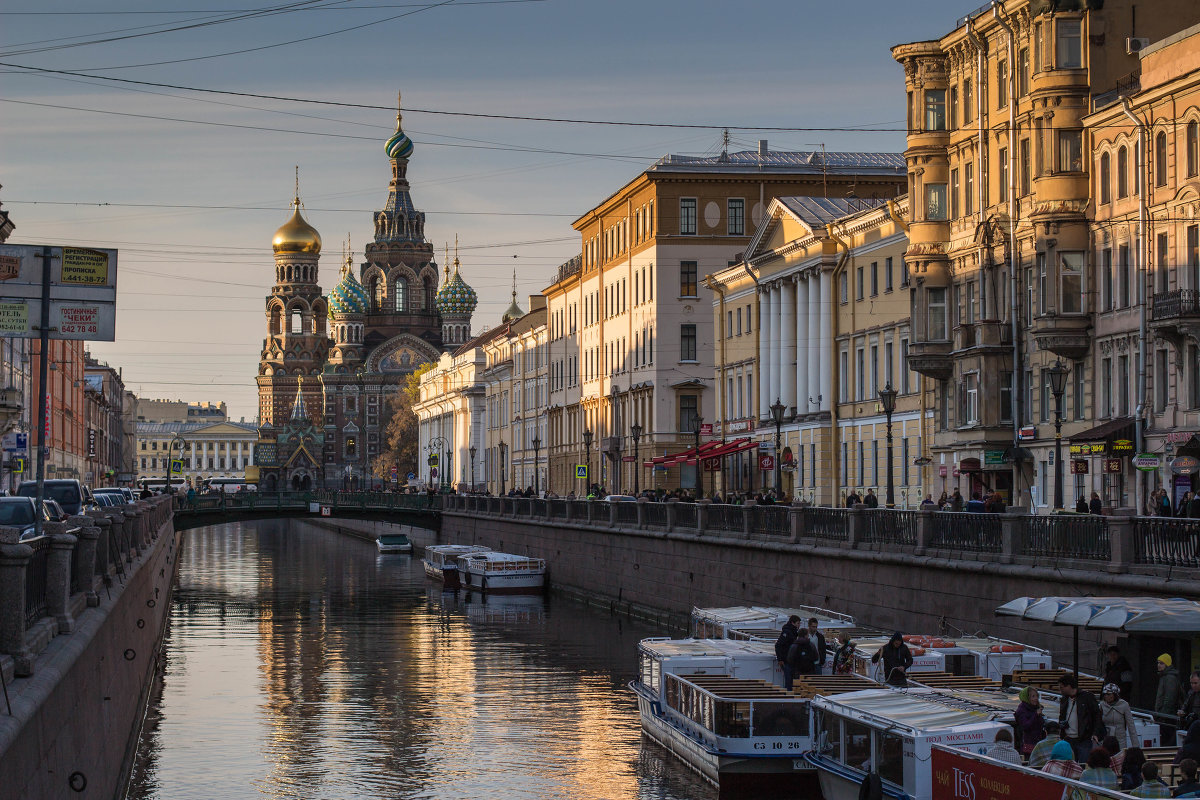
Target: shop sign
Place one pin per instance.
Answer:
(1079, 466)
(943, 471)
(1179, 437)
(993, 456)
(1088, 449)
(734, 426)
(712, 464)
(1027, 433)
(706, 429)
(1120, 447)
(957, 777)
(1185, 465)
(1146, 462)
(766, 463)
(1112, 465)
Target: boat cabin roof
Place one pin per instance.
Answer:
(919, 711)
(728, 687)
(456, 549)
(491, 556)
(769, 617)
(971, 644)
(695, 648)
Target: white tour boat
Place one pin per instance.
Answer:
(891, 733)
(717, 705)
(989, 658)
(749, 623)
(394, 543)
(490, 571)
(441, 561)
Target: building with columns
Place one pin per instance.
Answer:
(210, 450)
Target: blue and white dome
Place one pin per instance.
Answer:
(349, 296)
(398, 145)
(456, 298)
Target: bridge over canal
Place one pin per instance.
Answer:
(421, 510)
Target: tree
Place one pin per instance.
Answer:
(401, 429)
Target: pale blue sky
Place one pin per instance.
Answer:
(190, 319)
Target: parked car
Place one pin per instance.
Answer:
(54, 512)
(72, 495)
(19, 512)
(117, 495)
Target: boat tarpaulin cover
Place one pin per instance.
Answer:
(909, 709)
(1130, 614)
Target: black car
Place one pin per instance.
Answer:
(19, 512)
(72, 495)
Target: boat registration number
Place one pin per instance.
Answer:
(793, 744)
(799, 763)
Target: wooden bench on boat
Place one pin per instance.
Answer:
(1048, 679)
(1163, 756)
(946, 680)
(809, 686)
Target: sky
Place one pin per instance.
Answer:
(189, 186)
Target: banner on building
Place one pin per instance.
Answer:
(91, 443)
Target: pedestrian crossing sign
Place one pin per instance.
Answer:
(176, 466)
(18, 465)
(581, 471)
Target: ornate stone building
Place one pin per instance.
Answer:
(359, 344)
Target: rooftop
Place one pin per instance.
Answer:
(820, 211)
(802, 161)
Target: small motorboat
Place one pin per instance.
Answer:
(394, 543)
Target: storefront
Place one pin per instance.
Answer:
(1105, 453)
(991, 473)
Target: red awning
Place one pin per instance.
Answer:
(687, 456)
(729, 448)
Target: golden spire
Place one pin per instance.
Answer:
(348, 252)
(399, 105)
(456, 254)
(296, 199)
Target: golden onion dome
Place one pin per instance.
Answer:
(296, 235)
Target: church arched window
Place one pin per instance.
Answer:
(276, 321)
(400, 292)
(429, 293)
(376, 290)
(296, 321)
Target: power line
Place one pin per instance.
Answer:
(247, 10)
(195, 207)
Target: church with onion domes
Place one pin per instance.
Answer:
(330, 363)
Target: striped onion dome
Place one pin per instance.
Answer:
(456, 298)
(349, 296)
(398, 144)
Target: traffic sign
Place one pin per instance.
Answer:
(412, 476)
(433, 459)
(433, 474)
(18, 465)
(581, 471)
(176, 466)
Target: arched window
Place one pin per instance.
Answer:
(1122, 172)
(296, 320)
(289, 273)
(1193, 148)
(276, 321)
(376, 290)
(429, 293)
(1105, 178)
(401, 294)
(1160, 159)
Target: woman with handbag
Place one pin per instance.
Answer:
(1117, 716)
(1030, 722)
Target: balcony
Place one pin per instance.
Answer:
(1175, 315)
(932, 359)
(1068, 337)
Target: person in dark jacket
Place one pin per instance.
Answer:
(853, 499)
(1118, 670)
(818, 640)
(1194, 507)
(871, 501)
(1030, 722)
(896, 658)
(1191, 744)
(956, 501)
(1095, 507)
(1081, 507)
(783, 644)
(802, 656)
(1079, 716)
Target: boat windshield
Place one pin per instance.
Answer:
(758, 710)
(864, 748)
(393, 538)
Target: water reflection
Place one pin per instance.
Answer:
(299, 664)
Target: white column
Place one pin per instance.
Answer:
(787, 344)
(250, 455)
(802, 344)
(776, 349)
(826, 342)
(764, 352)
(816, 356)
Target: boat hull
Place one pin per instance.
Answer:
(523, 582)
(395, 548)
(448, 575)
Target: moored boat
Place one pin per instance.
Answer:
(988, 657)
(493, 572)
(761, 622)
(441, 561)
(394, 543)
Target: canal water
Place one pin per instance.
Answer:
(303, 664)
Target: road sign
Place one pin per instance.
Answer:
(176, 466)
(581, 471)
(433, 459)
(83, 292)
(433, 474)
(18, 465)
(412, 476)
(766, 463)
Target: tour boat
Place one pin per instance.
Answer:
(891, 733)
(989, 658)
(717, 705)
(761, 622)
(441, 561)
(493, 572)
(394, 543)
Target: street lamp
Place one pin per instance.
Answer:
(887, 399)
(436, 445)
(537, 446)
(777, 409)
(471, 450)
(697, 422)
(1058, 384)
(635, 430)
(170, 448)
(503, 450)
(587, 460)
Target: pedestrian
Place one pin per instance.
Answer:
(975, 504)
(1002, 748)
(818, 640)
(871, 501)
(1118, 670)
(1095, 506)
(943, 501)
(1182, 510)
(896, 658)
(927, 504)
(1191, 745)
(1079, 716)
(1188, 785)
(852, 499)
(191, 497)
(1190, 712)
(1062, 762)
(1040, 755)
(1098, 772)
(783, 644)
(1152, 785)
(956, 501)
(1194, 506)
(1081, 505)
(1164, 504)
(802, 656)
(843, 658)
(1030, 722)
(1117, 716)
(1169, 698)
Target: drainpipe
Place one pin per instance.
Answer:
(894, 213)
(1140, 269)
(834, 398)
(716, 286)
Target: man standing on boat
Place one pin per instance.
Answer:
(897, 658)
(784, 644)
(818, 640)
(1079, 716)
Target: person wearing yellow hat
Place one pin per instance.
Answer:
(1170, 690)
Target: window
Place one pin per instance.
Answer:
(1124, 279)
(843, 289)
(1160, 159)
(687, 342)
(935, 109)
(687, 216)
(1078, 375)
(1106, 278)
(739, 321)
(748, 318)
(953, 107)
(1070, 277)
(954, 194)
(689, 410)
(887, 274)
(968, 188)
(296, 321)
(1023, 72)
(1026, 169)
(904, 278)
(966, 93)
(1122, 172)
(935, 202)
(844, 376)
(1070, 151)
(969, 410)
(1001, 84)
(937, 331)
(1162, 276)
(1037, 47)
(1123, 386)
(687, 279)
(1070, 44)
(728, 325)
(860, 369)
(1006, 390)
(904, 379)
(1003, 175)
(1105, 178)
(1045, 399)
(1160, 380)
(859, 287)
(736, 217)
(874, 278)
(1193, 255)
(1193, 148)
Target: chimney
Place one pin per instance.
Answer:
(762, 148)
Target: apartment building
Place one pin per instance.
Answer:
(998, 157)
(631, 330)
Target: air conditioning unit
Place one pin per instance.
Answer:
(1136, 44)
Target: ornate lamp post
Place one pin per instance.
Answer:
(635, 430)
(587, 460)
(887, 399)
(471, 451)
(697, 422)
(537, 447)
(1058, 384)
(777, 409)
(436, 445)
(503, 450)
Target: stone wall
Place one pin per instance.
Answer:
(76, 718)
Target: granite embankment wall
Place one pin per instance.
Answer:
(76, 718)
(649, 572)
